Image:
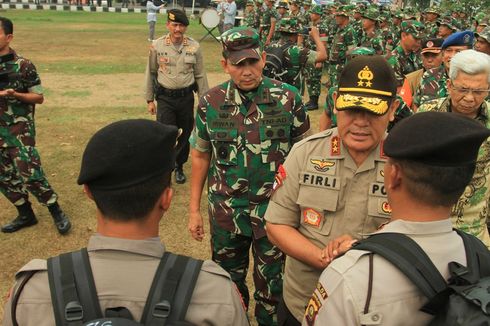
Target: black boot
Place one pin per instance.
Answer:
(312, 104)
(25, 218)
(60, 219)
(179, 175)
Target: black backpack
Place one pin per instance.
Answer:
(465, 300)
(275, 65)
(75, 300)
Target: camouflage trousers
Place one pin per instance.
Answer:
(313, 80)
(231, 252)
(21, 171)
(334, 70)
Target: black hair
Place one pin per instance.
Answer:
(7, 25)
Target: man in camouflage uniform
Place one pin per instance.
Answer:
(268, 22)
(20, 163)
(295, 59)
(250, 17)
(259, 11)
(431, 16)
(387, 31)
(433, 82)
(404, 58)
(342, 41)
(447, 26)
(467, 88)
(295, 12)
(244, 129)
(397, 30)
(483, 41)
(371, 36)
(357, 21)
(314, 72)
(282, 12)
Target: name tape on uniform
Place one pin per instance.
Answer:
(319, 180)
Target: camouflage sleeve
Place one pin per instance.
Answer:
(30, 78)
(395, 64)
(310, 57)
(329, 104)
(351, 40)
(199, 139)
(301, 121)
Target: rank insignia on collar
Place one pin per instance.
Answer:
(335, 146)
(279, 178)
(322, 165)
(312, 217)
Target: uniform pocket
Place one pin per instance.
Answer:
(225, 146)
(275, 143)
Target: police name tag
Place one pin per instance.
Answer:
(377, 189)
(319, 180)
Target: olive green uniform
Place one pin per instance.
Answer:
(324, 195)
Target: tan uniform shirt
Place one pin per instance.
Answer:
(325, 195)
(341, 292)
(176, 66)
(123, 272)
(414, 79)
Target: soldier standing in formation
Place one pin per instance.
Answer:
(244, 130)
(20, 163)
(268, 22)
(371, 36)
(174, 71)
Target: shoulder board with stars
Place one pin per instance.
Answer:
(335, 146)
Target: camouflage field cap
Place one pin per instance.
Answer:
(447, 21)
(413, 27)
(371, 13)
(409, 13)
(296, 2)
(316, 9)
(485, 34)
(288, 25)
(366, 83)
(384, 17)
(342, 11)
(361, 50)
(241, 43)
(282, 4)
(306, 3)
(484, 21)
(250, 3)
(397, 14)
(433, 10)
(432, 45)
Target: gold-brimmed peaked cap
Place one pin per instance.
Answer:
(368, 83)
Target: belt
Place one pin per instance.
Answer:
(180, 92)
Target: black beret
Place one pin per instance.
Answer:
(178, 16)
(127, 153)
(436, 138)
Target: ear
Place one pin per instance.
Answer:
(10, 37)
(394, 105)
(264, 55)
(87, 192)
(393, 179)
(335, 95)
(224, 64)
(166, 198)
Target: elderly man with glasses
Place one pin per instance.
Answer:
(468, 87)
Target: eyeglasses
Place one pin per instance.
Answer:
(467, 91)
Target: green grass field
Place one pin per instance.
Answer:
(92, 67)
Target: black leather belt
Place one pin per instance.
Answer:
(180, 92)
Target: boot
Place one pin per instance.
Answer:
(312, 104)
(179, 175)
(25, 218)
(60, 219)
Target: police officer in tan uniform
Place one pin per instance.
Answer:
(432, 157)
(174, 71)
(331, 183)
(126, 169)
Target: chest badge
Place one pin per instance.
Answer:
(322, 165)
(312, 217)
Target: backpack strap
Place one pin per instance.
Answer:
(15, 299)
(477, 260)
(171, 289)
(72, 287)
(409, 258)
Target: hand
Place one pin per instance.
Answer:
(152, 108)
(195, 225)
(314, 32)
(9, 92)
(318, 65)
(337, 247)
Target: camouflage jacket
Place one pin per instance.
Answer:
(389, 39)
(396, 35)
(403, 63)
(16, 117)
(323, 31)
(431, 29)
(343, 40)
(357, 26)
(251, 19)
(470, 212)
(300, 18)
(248, 135)
(267, 15)
(432, 86)
(373, 40)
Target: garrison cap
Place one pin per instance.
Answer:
(241, 43)
(366, 83)
(177, 16)
(127, 153)
(437, 139)
(459, 38)
(413, 27)
(484, 34)
(432, 45)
